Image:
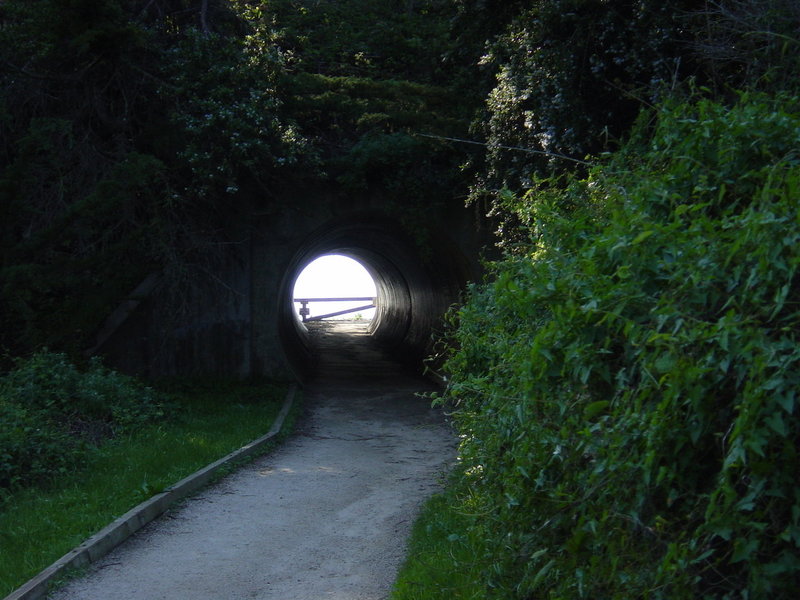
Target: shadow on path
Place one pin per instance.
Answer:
(348, 356)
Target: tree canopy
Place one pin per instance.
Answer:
(132, 132)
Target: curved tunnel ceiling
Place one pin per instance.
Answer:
(414, 287)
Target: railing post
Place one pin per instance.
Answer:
(304, 310)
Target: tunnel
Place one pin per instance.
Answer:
(416, 281)
(239, 319)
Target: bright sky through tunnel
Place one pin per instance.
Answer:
(335, 276)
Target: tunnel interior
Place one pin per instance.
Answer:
(415, 284)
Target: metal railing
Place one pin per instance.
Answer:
(305, 312)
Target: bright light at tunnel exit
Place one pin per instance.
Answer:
(335, 276)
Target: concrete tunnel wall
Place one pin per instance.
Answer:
(414, 285)
(238, 319)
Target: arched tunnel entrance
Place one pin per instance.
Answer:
(239, 319)
(416, 281)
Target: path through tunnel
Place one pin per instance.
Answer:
(415, 280)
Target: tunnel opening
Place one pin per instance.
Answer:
(337, 288)
(414, 286)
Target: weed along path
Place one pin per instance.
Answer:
(326, 516)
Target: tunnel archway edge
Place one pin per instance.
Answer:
(415, 284)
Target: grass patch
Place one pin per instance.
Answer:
(40, 524)
(439, 555)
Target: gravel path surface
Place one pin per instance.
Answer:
(326, 516)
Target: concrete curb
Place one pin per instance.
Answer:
(125, 526)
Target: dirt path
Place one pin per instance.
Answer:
(326, 516)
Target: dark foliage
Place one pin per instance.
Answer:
(52, 415)
(626, 386)
(126, 130)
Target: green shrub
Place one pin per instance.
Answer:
(627, 383)
(51, 414)
(32, 447)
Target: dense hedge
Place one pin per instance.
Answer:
(52, 414)
(627, 382)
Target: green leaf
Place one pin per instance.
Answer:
(786, 401)
(595, 408)
(543, 572)
(666, 362)
(703, 556)
(744, 549)
(776, 423)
